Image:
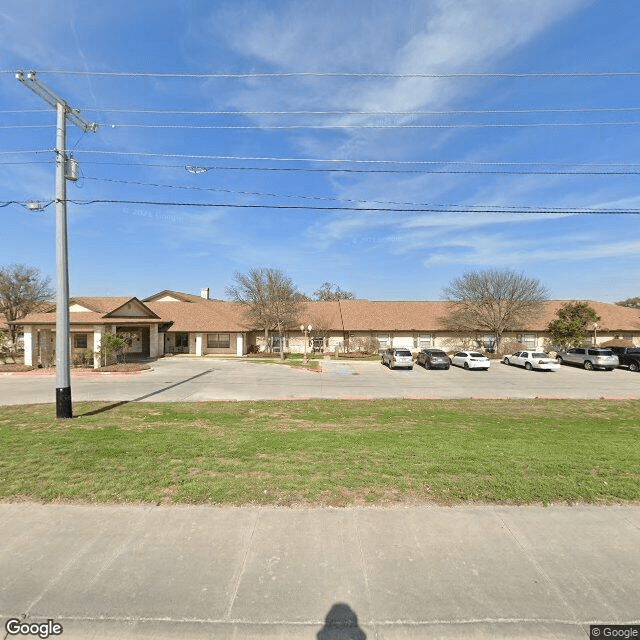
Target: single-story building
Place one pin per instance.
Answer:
(172, 322)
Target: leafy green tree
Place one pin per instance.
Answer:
(112, 345)
(572, 324)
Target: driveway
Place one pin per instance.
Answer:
(198, 379)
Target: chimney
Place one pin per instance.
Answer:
(204, 293)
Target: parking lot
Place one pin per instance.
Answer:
(199, 379)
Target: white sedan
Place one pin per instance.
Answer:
(533, 360)
(471, 360)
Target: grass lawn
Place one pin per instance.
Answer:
(325, 452)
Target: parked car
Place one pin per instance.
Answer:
(532, 360)
(397, 358)
(471, 360)
(628, 357)
(433, 359)
(590, 359)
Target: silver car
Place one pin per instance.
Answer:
(397, 358)
(590, 359)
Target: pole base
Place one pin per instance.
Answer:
(63, 403)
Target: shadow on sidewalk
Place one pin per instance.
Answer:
(115, 405)
(341, 623)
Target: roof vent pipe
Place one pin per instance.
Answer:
(204, 293)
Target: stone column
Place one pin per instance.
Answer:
(28, 345)
(98, 330)
(153, 341)
(239, 344)
(198, 344)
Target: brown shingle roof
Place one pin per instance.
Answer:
(193, 313)
(612, 316)
(201, 315)
(99, 307)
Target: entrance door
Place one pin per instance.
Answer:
(182, 342)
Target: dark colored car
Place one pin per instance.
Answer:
(628, 357)
(433, 359)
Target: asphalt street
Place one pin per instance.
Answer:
(199, 379)
(124, 572)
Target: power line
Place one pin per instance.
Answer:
(421, 208)
(572, 211)
(522, 172)
(454, 125)
(16, 151)
(328, 198)
(344, 113)
(346, 161)
(340, 74)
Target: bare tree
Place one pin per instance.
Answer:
(22, 291)
(330, 292)
(630, 302)
(493, 302)
(270, 298)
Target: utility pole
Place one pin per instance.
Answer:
(64, 112)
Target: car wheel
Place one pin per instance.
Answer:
(528, 366)
(506, 361)
(411, 368)
(633, 366)
(560, 360)
(427, 365)
(588, 365)
(446, 368)
(466, 365)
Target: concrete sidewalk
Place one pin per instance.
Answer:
(123, 572)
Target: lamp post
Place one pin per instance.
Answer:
(306, 331)
(64, 172)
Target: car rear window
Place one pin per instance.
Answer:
(475, 354)
(539, 355)
(403, 352)
(600, 352)
(436, 353)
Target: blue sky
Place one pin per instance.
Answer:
(498, 196)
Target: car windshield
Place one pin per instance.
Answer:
(403, 352)
(475, 354)
(539, 355)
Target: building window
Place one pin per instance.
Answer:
(383, 340)
(218, 340)
(425, 341)
(80, 340)
(530, 341)
(487, 343)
